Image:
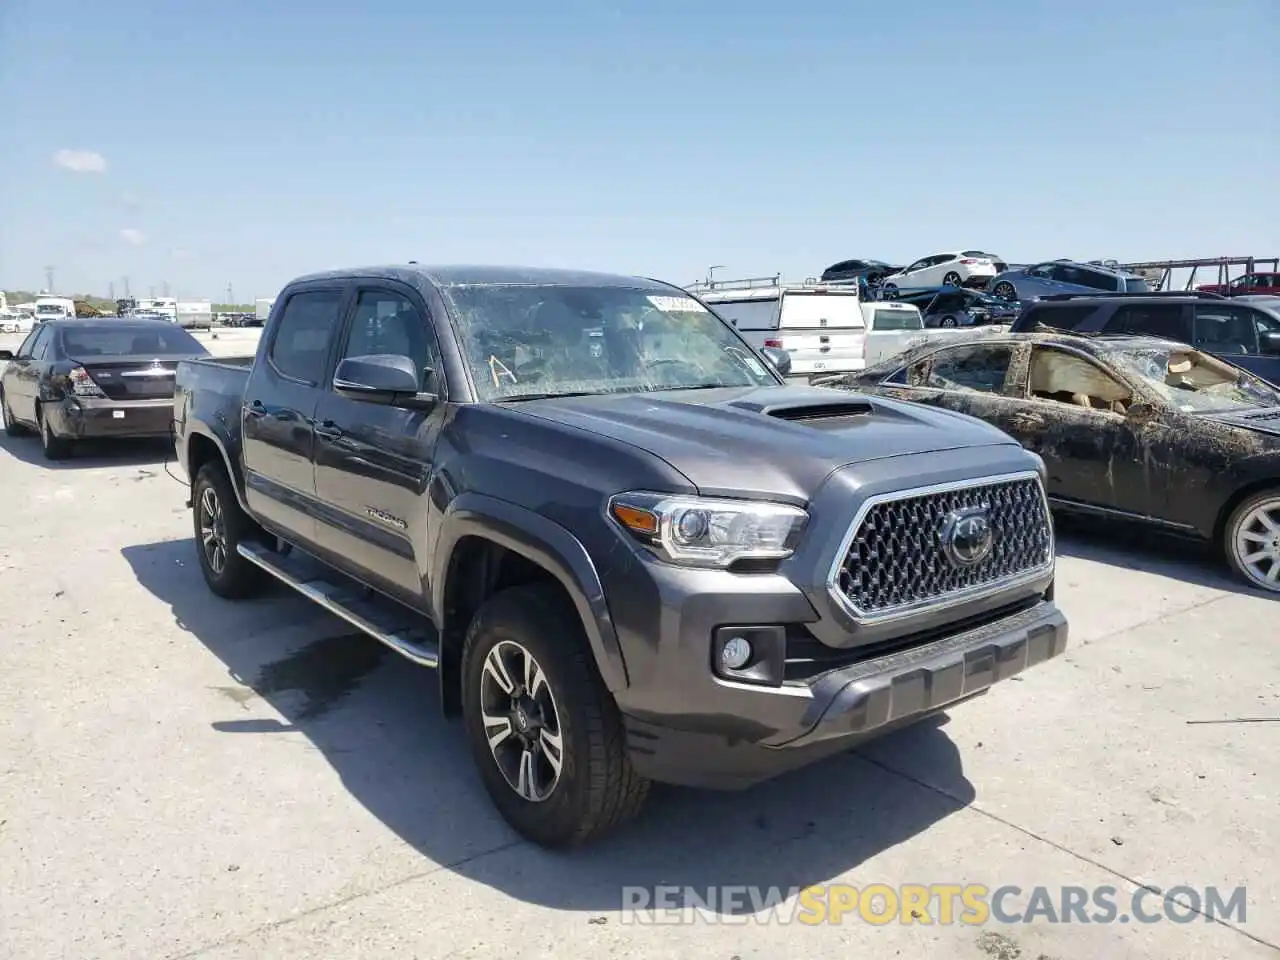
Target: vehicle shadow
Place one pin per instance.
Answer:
(376, 719)
(86, 454)
(1147, 551)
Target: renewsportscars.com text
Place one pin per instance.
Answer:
(935, 903)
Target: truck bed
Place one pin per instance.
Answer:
(210, 391)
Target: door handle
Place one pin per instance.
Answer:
(329, 430)
(255, 409)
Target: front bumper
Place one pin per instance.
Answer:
(849, 706)
(84, 418)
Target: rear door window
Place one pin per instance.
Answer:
(1226, 329)
(749, 314)
(1168, 320)
(300, 349)
(982, 368)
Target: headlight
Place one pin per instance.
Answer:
(704, 532)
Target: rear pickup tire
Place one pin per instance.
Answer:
(220, 526)
(525, 646)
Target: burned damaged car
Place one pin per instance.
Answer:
(1133, 428)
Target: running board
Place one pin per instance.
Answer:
(383, 620)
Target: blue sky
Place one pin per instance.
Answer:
(246, 142)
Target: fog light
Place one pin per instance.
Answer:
(735, 654)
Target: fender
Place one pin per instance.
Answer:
(199, 428)
(545, 543)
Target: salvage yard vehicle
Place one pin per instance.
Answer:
(960, 307)
(73, 380)
(1065, 276)
(967, 268)
(893, 327)
(822, 327)
(1244, 334)
(1130, 427)
(872, 271)
(632, 551)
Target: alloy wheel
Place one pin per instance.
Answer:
(1257, 544)
(521, 721)
(213, 531)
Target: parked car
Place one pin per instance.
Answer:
(647, 561)
(960, 307)
(72, 380)
(967, 268)
(872, 271)
(1266, 284)
(1130, 427)
(1243, 334)
(1065, 276)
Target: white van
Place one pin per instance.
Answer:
(821, 325)
(55, 308)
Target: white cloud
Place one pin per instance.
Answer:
(80, 161)
(130, 235)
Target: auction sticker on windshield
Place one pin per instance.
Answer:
(677, 304)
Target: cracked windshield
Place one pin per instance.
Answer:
(1197, 383)
(522, 342)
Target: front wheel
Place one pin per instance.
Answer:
(220, 527)
(889, 291)
(544, 731)
(947, 321)
(1005, 291)
(1252, 540)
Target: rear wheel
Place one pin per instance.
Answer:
(53, 446)
(948, 321)
(952, 278)
(1005, 291)
(544, 731)
(220, 527)
(889, 291)
(1252, 540)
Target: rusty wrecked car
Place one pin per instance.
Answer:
(1130, 428)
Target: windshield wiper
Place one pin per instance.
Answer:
(549, 396)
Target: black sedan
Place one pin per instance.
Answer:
(961, 307)
(75, 379)
(1129, 427)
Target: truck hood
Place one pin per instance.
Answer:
(767, 441)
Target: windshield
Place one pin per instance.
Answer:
(1136, 285)
(530, 340)
(120, 340)
(1194, 382)
(57, 308)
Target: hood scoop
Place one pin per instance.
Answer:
(809, 411)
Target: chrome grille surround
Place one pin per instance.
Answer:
(892, 562)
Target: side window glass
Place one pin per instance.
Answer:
(305, 330)
(28, 345)
(41, 346)
(1065, 378)
(1062, 317)
(1151, 319)
(980, 369)
(386, 322)
(1226, 330)
(898, 377)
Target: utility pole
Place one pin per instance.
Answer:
(126, 287)
(111, 291)
(48, 279)
(165, 286)
(231, 297)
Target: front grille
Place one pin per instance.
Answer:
(897, 561)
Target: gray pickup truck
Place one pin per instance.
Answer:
(632, 551)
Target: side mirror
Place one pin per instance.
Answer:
(780, 360)
(386, 378)
(1268, 343)
(6, 354)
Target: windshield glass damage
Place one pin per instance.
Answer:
(1194, 382)
(531, 340)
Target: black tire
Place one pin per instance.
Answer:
(1243, 536)
(951, 278)
(235, 578)
(1005, 290)
(889, 291)
(11, 427)
(948, 321)
(597, 790)
(53, 447)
